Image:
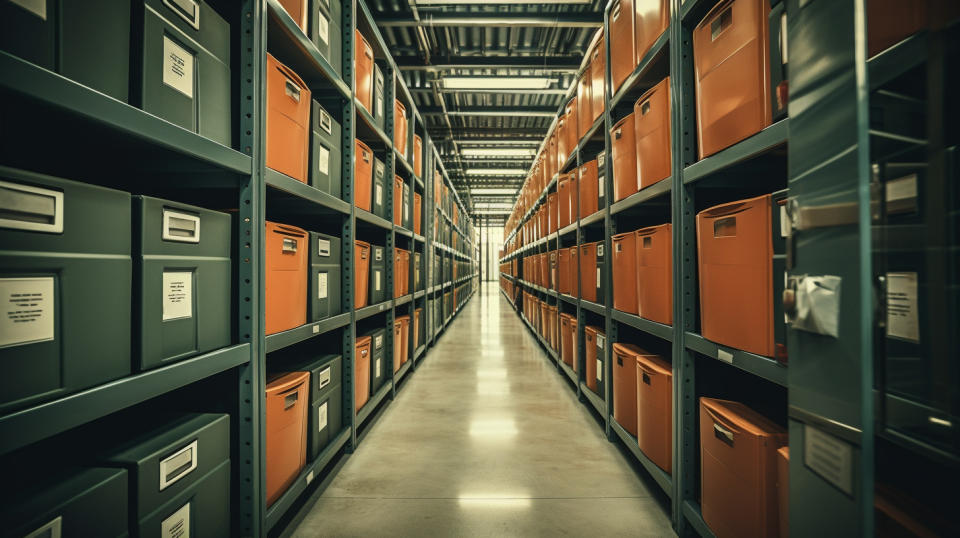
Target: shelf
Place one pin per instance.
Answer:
(757, 365)
(402, 231)
(419, 181)
(595, 400)
(649, 193)
(21, 428)
(368, 130)
(568, 298)
(897, 60)
(372, 403)
(692, 11)
(593, 307)
(691, 511)
(762, 142)
(368, 217)
(419, 352)
(570, 163)
(305, 332)
(588, 136)
(420, 238)
(659, 475)
(640, 81)
(569, 371)
(372, 310)
(290, 45)
(596, 218)
(310, 473)
(398, 375)
(299, 198)
(419, 294)
(650, 327)
(402, 300)
(403, 162)
(92, 127)
(567, 230)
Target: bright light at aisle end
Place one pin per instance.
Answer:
(498, 152)
(497, 83)
(497, 172)
(480, 192)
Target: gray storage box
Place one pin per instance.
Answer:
(182, 66)
(324, 283)
(417, 273)
(326, 402)
(379, 111)
(407, 217)
(182, 280)
(326, 161)
(78, 502)
(378, 362)
(65, 278)
(601, 274)
(88, 41)
(325, 31)
(379, 205)
(179, 477)
(378, 275)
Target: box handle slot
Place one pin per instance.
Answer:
(326, 122)
(292, 91)
(725, 227)
(187, 10)
(323, 378)
(722, 20)
(723, 434)
(178, 465)
(30, 208)
(290, 400)
(645, 107)
(289, 245)
(616, 11)
(181, 227)
(646, 378)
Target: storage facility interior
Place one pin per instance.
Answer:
(718, 239)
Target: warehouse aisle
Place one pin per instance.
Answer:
(486, 440)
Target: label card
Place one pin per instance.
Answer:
(177, 295)
(598, 279)
(322, 417)
(28, 310)
(902, 312)
(323, 28)
(379, 194)
(378, 368)
(323, 161)
(829, 457)
(177, 67)
(177, 525)
(322, 285)
(725, 356)
(376, 280)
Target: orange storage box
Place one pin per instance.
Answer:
(552, 212)
(625, 385)
(563, 201)
(570, 123)
(573, 274)
(417, 155)
(589, 186)
(554, 327)
(297, 9)
(544, 265)
(398, 272)
(405, 271)
(588, 272)
(651, 18)
(398, 200)
(651, 119)
(552, 160)
(361, 370)
(783, 490)
(598, 69)
(554, 283)
(416, 328)
(287, 404)
(363, 68)
(625, 273)
(568, 339)
(286, 278)
(288, 121)
(731, 57)
(624, 154)
(363, 176)
(655, 410)
(594, 364)
(397, 343)
(405, 337)
(623, 55)
(417, 212)
(655, 273)
(738, 470)
(563, 149)
(361, 273)
(735, 261)
(544, 320)
(400, 127)
(584, 102)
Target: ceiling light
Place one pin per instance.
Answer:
(476, 192)
(497, 172)
(491, 212)
(497, 83)
(474, 2)
(498, 152)
(498, 142)
(492, 205)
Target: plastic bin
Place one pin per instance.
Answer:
(598, 69)
(363, 176)
(378, 357)
(417, 155)
(623, 56)
(404, 338)
(651, 118)
(361, 273)
(589, 187)
(324, 281)
(326, 160)
(624, 154)
(655, 273)
(287, 408)
(625, 385)
(568, 339)
(584, 102)
(398, 200)
(625, 273)
(363, 71)
(288, 121)
(651, 19)
(400, 128)
(590, 272)
(417, 213)
(594, 342)
(361, 371)
(286, 278)
(655, 410)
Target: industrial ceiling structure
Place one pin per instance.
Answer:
(488, 79)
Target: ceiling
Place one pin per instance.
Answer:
(433, 41)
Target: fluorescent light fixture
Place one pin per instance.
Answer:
(498, 152)
(498, 83)
(497, 172)
(480, 192)
(492, 212)
(474, 2)
(492, 205)
(498, 142)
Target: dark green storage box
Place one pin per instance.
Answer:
(182, 66)
(78, 502)
(326, 402)
(407, 217)
(417, 273)
(379, 111)
(326, 161)
(601, 274)
(437, 268)
(324, 283)
(182, 280)
(602, 181)
(325, 32)
(379, 184)
(378, 275)
(86, 41)
(179, 477)
(378, 363)
(65, 276)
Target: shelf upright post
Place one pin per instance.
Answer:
(348, 233)
(390, 162)
(610, 229)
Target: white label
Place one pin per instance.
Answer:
(177, 525)
(177, 67)
(829, 457)
(322, 285)
(376, 280)
(599, 370)
(901, 188)
(177, 295)
(316, 329)
(378, 368)
(601, 341)
(902, 313)
(378, 342)
(37, 7)
(309, 477)
(599, 249)
(379, 194)
(598, 277)
(784, 222)
(28, 306)
(323, 28)
(323, 247)
(725, 356)
(323, 161)
(322, 417)
(406, 211)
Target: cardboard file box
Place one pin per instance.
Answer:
(625, 273)
(625, 385)
(738, 469)
(361, 371)
(87, 42)
(326, 32)
(655, 410)
(651, 19)
(363, 71)
(594, 355)
(363, 176)
(324, 279)
(286, 279)
(417, 327)
(77, 502)
(654, 273)
(651, 118)
(624, 154)
(783, 490)
(589, 187)
(417, 272)
(378, 274)
(623, 54)
(400, 127)
(417, 156)
(379, 111)
(598, 69)
(75, 267)
(379, 185)
(378, 365)
(398, 200)
(740, 260)
(417, 213)
(287, 411)
(568, 339)
(543, 273)
(591, 275)
(297, 9)
(326, 160)
(182, 280)
(404, 338)
(731, 59)
(397, 344)
(181, 68)
(288, 116)
(361, 273)
(325, 417)
(554, 327)
(179, 477)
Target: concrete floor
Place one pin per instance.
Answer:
(487, 439)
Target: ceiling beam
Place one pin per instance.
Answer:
(553, 20)
(526, 112)
(488, 133)
(546, 63)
